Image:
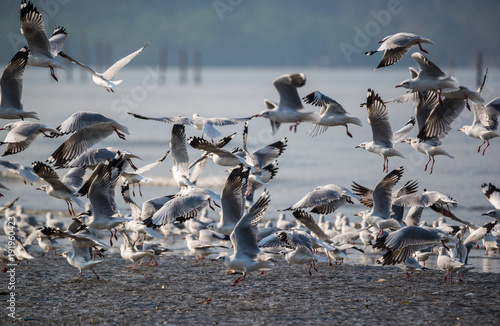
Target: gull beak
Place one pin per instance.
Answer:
(38, 188)
(399, 85)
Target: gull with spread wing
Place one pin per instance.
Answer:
(104, 79)
(42, 49)
(11, 88)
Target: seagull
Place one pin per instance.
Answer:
(331, 114)
(22, 134)
(244, 240)
(180, 170)
(81, 258)
(63, 189)
(20, 251)
(492, 193)
(129, 252)
(232, 201)
(410, 265)
(430, 78)
(288, 109)
(200, 249)
(401, 244)
(185, 205)
(135, 177)
(46, 242)
(448, 264)
(42, 49)
(197, 121)
(383, 138)
(87, 128)
(104, 79)
(485, 123)
(93, 156)
(101, 197)
(396, 46)
(426, 199)
(11, 88)
(220, 156)
(380, 213)
(325, 199)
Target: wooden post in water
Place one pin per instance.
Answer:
(162, 65)
(182, 66)
(479, 68)
(98, 55)
(83, 55)
(197, 67)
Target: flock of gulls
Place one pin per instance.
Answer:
(240, 238)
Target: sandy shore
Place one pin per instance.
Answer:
(181, 292)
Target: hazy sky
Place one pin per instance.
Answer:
(262, 33)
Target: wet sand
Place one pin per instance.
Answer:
(181, 292)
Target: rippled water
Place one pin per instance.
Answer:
(230, 92)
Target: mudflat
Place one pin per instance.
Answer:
(180, 291)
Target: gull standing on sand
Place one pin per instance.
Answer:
(244, 240)
(383, 138)
(87, 128)
(63, 189)
(104, 79)
(492, 193)
(288, 109)
(11, 88)
(331, 114)
(410, 265)
(448, 264)
(396, 46)
(42, 49)
(22, 134)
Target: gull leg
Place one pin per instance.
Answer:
(132, 164)
(421, 49)
(425, 169)
(79, 275)
(479, 148)
(95, 273)
(347, 130)
(120, 135)
(140, 193)
(43, 253)
(239, 279)
(445, 276)
(432, 165)
(52, 73)
(488, 144)
(111, 238)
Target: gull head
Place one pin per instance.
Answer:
(362, 145)
(406, 84)
(44, 188)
